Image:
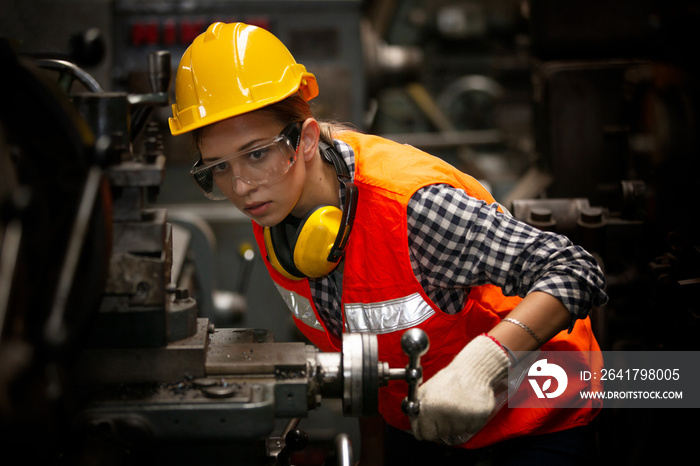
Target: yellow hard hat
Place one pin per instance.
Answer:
(233, 69)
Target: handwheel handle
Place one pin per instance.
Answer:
(415, 343)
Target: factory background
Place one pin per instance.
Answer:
(580, 117)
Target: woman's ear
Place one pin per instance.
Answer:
(308, 145)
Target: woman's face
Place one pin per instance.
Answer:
(266, 204)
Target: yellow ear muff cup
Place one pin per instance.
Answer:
(314, 241)
(279, 253)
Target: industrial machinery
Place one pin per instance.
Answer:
(104, 357)
(236, 384)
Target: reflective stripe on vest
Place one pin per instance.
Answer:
(300, 307)
(387, 316)
(382, 317)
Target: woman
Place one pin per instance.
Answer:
(361, 234)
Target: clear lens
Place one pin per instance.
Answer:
(257, 166)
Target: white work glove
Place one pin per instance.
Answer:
(459, 399)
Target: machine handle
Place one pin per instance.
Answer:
(415, 343)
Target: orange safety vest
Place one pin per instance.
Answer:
(381, 294)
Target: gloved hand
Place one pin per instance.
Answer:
(460, 398)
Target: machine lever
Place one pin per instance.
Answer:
(294, 440)
(415, 343)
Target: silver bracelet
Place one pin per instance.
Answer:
(524, 327)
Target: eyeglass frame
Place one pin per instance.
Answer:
(291, 132)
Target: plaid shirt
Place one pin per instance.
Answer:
(457, 242)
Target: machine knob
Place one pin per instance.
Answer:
(415, 343)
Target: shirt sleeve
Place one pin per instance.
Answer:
(457, 241)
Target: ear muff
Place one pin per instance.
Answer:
(312, 247)
(280, 252)
(302, 251)
(315, 239)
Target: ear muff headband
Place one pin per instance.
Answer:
(330, 155)
(315, 247)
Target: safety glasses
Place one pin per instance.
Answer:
(257, 166)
